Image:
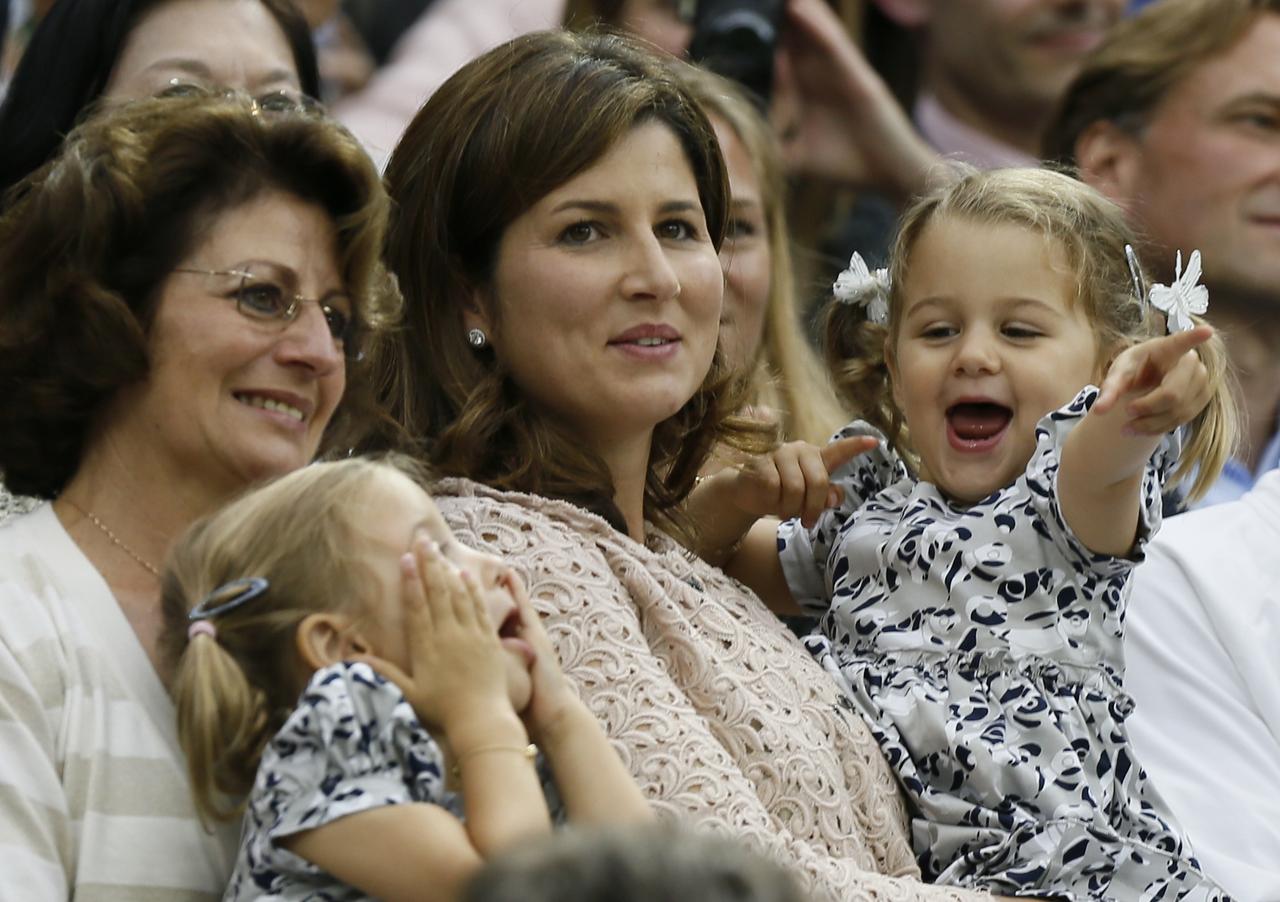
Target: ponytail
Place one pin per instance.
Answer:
(223, 726)
(1213, 434)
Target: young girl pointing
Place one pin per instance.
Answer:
(971, 587)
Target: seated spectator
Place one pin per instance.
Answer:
(559, 356)
(88, 51)
(1204, 668)
(1175, 118)
(371, 687)
(114, 50)
(654, 864)
(184, 294)
(760, 329)
(986, 75)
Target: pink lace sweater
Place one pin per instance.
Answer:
(722, 717)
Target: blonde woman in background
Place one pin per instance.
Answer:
(760, 328)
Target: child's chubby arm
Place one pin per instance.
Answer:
(593, 782)
(457, 685)
(1150, 389)
(737, 510)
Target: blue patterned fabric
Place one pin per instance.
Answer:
(353, 743)
(983, 645)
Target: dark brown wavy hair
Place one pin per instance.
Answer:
(93, 234)
(502, 133)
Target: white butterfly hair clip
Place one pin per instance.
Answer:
(1184, 297)
(860, 286)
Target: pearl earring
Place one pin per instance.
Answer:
(477, 339)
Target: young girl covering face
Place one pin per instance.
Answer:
(373, 687)
(972, 604)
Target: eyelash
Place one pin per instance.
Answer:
(1260, 118)
(687, 231)
(1015, 332)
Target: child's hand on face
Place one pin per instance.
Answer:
(1162, 382)
(552, 696)
(793, 481)
(457, 674)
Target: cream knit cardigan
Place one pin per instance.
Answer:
(723, 719)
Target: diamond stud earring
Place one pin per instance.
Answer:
(476, 338)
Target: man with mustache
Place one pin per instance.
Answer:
(1176, 117)
(989, 72)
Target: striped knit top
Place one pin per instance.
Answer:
(94, 799)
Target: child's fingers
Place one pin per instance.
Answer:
(1120, 377)
(477, 610)
(438, 582)
(416, 610)
(816, 484)
(1182, 386)
(839, 452)
(1166, 350)
(791, 481)
(531, 628)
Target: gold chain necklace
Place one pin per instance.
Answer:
(146, 565)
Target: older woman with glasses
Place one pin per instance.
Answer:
(185, 294)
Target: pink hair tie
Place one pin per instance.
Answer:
(202, 628)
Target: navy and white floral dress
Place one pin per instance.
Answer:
(983, 646)
(352, 744)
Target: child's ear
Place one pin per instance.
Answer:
(324, 639)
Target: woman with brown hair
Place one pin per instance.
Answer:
(185, 293)
(560, 202)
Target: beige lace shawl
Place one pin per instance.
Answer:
(725, 721)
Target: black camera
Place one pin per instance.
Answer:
(736, 38)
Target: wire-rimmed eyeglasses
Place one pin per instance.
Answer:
(279, 101)
(268, 292)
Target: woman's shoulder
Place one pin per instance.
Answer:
(509, 521)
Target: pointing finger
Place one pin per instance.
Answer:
(838, 453)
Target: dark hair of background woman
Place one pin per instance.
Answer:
(67, 64)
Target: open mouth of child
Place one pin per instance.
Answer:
(510, 638)
(976, 426)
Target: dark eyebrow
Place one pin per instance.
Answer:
(183, 64)
(1261, 97)
(601, 206)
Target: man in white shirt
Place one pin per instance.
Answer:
(1203, 649)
